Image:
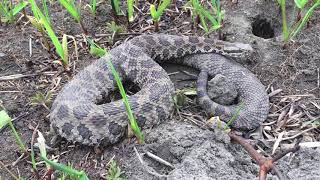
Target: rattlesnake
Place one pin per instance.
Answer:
(78, 116)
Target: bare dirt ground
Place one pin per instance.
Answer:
(195, 153)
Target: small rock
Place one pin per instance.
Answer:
(222, 91)
(2, 55)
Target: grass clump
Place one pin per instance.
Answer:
(8, 10)
(156, 13)
(303, 15)
(208, 17)
(41, 22)
(42, 99)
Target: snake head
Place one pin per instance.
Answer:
(239, 51)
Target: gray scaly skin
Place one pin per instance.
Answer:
(77, 115)
(251, 92)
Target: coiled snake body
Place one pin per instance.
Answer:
(77, 115)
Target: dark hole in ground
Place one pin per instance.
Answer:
(129, 87)
(261, 27)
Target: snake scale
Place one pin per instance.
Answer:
(77, 115)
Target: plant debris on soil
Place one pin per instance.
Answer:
(183, 147)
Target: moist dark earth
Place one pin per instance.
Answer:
(195, 152)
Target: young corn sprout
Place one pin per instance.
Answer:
(157, 13)
(213, 17)
(95, 49)
(290, 32)
(70, 6)
(9, 10)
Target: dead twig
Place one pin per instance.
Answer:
(3, 166)
(266, 164)
(158, 159)
(147, 168)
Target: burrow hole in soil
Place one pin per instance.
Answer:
(262, 27)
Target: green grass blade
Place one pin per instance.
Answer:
(133, 123)
(45, 9)
(5, 119)
(300, 3)
(34, 9)
(130, 10)
(43, 20)
(3, 10)
(19, 7)
(67, 169)
(95, 49)
(93, 4)
(235, 115)
(71, 8)
(116, 7)
(156, 14)
(285, 31)
(305, 19)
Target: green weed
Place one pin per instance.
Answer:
(235, 115)
(114, 172)
(42, 99)
(114, 28)
(181, 96)
(70, 6)
(61, 48)
(9, 10)
(214, 16)
(290, 32)
(156, 13)
(95, 49)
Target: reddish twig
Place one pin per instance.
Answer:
(266, 164)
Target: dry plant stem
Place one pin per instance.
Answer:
(148, 169)
(85, 32)
(48, 174)
(158, 159)
(3, 166)
(32, 151)
(156, 26)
